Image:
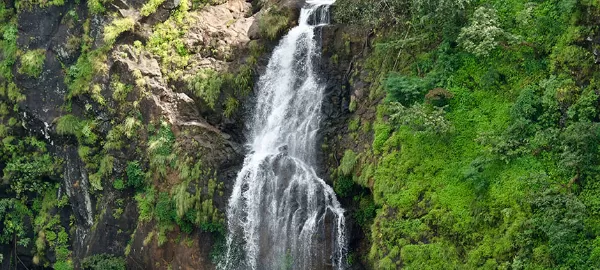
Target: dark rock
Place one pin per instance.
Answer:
(41, 28)
(254, 31)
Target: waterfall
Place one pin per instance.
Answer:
(281, 215)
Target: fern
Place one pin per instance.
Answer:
(231, 105)
(150, 7)
(348, 162)
(207, 85)
(32, 62)
(160, 149)
(69, 125)
(184, 201)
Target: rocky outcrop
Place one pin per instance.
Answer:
(218, 32)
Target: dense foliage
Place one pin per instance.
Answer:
(503, 174)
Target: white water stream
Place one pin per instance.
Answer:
(281, 215)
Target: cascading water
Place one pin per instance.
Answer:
(281, 215)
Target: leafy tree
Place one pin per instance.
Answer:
(580, 142)
(559, 219)
(26, 172)
(13, 215)
(483, 33)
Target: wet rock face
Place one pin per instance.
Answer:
(55, 31)
(344, 50)
(337, 92)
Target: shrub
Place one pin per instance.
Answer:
(119, 184)
(184, 201)
(145, 202)
(438, 97)
(206, 84)
(135, 175)
(165, 210)
(559, 218)
(405, 90)
(103, 262)
(8, 48)
(231, 105)
(79, 76)
(580, 144)
(160, 148)
(32, 62)
(96, 6)
(63, 265)
(25, 173)
(420, 118)
(366, 212)
(371, 13)
(343, 186)
(393, 12)
(119, 89)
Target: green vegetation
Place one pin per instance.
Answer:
(29, 4)
(118, 184)
(96, 6)
(274, 22)
(207, 85)
(82, 129)
(160, 148)
(188, 204)
(485, 150)
(32, 62)
(89, 64)
(26, 173)
(145, 201)
(166, 42)
(119, 89)
(51, 235)
(135, 175)
(29, 203)
(103, 262)
(150, 7)
(348, 162)
(187, 210)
